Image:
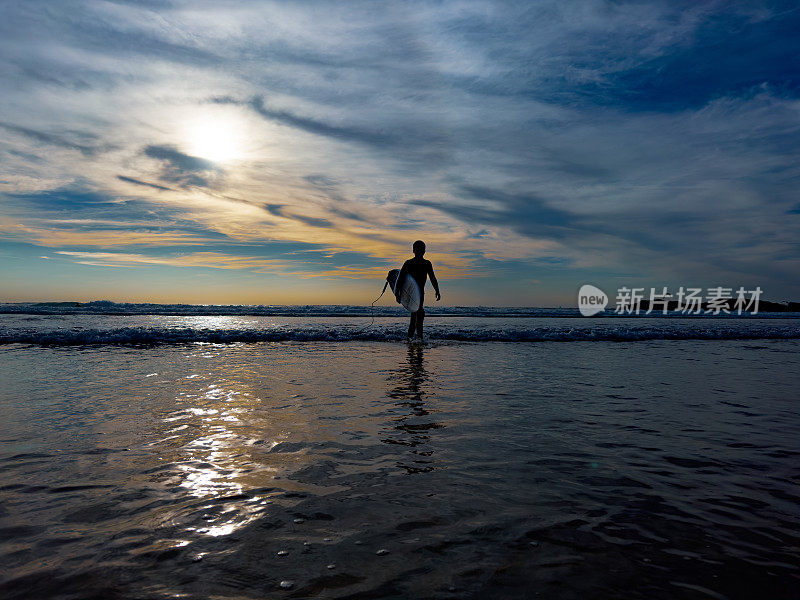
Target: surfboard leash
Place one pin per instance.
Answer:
(372, 307)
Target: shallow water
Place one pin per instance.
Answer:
(650, 469)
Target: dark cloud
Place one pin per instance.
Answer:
(347, 214)
(142, 183)
(52, 139)
(279, 210)
(67, 200)
(527, 213)
(335, 201)
(380, 139)
(311, 221)
(276, 210)
(182, 169)
(177, 159)
(322, 181)
(403, 136)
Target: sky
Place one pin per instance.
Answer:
(291, 152)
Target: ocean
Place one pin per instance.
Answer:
(177, 451)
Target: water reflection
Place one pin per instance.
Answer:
(207, 451)
(413, 425)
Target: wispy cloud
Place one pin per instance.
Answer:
(135, 181)
(317, 127)
(51, 237)
(51, 139)
(216, 260)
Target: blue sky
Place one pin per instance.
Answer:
(291, 152)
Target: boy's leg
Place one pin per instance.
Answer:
(420, 318)
(412, 325)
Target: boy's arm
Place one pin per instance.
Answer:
(434, 282)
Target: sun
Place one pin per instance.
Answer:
(218, 138)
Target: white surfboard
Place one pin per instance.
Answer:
(409, 290)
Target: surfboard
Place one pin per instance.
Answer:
(409, 290)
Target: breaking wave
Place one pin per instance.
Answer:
(181, 335)
(106, 307)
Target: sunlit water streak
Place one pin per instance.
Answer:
(651, 469)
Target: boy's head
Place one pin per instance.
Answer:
(418, 248)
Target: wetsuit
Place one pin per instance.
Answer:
(419, 268)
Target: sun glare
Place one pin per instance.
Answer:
(218, 138)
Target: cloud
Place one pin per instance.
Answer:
(52, 139)
(411, 138)
(213, 260)
(180, 168)
(143, 183)
(280, 210)
(218, 260)
(284, 117)
(571, 139)
(105, 238)
(528, 213)
(730, 54)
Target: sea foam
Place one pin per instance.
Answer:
(387, 333)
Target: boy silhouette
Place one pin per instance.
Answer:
(419, 268)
